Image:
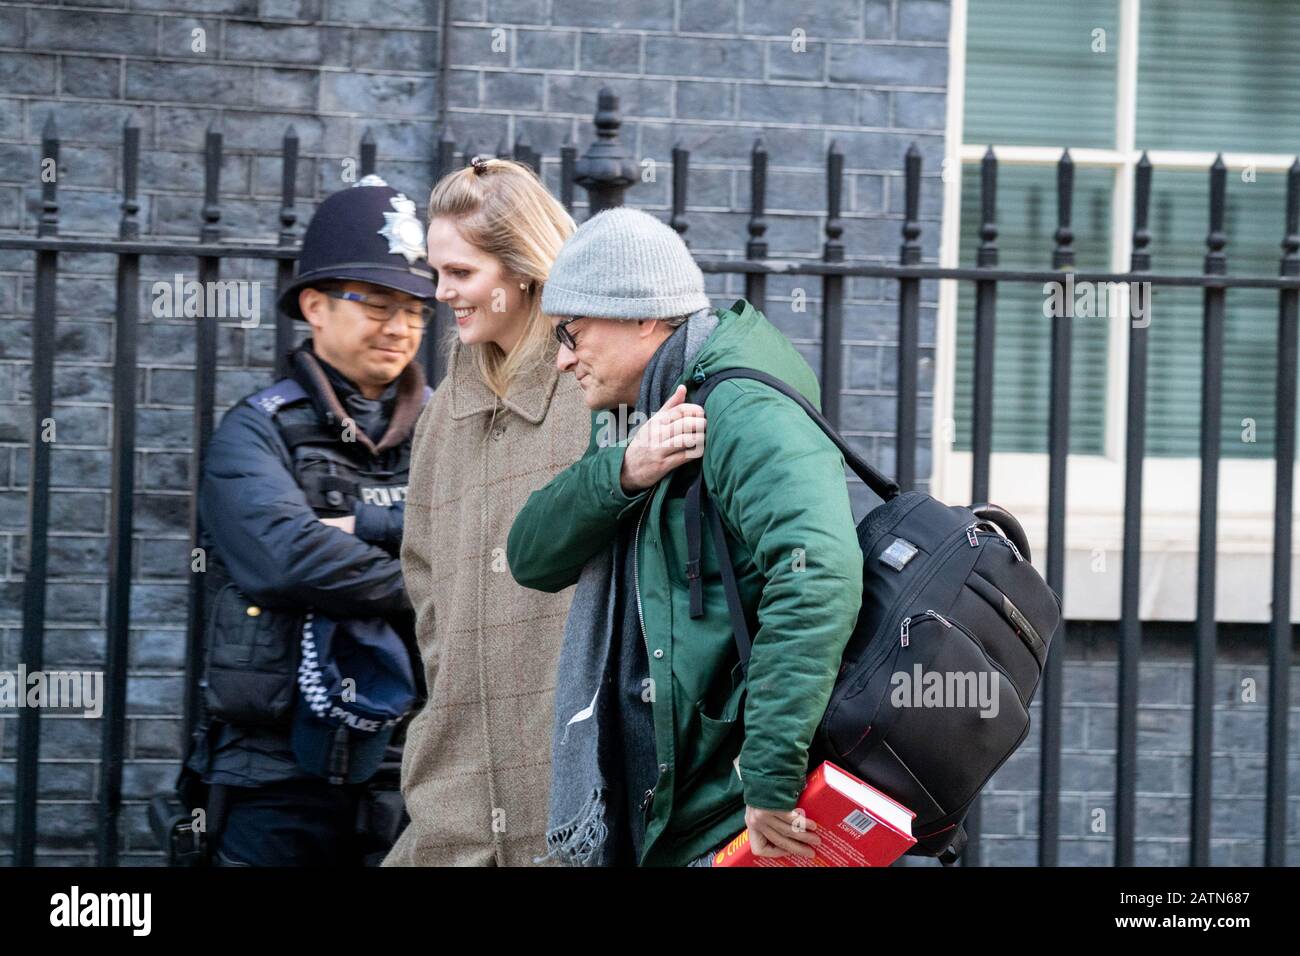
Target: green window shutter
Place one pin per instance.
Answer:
(1211, 77)
(1216, 77)
(1022, 350)
(1254, 226)
(1032, 77)
(1219, 76)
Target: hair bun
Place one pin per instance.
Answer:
(480, 164)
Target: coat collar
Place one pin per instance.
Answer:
(529, 396)
(308, 371)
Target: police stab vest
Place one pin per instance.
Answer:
(333, 473)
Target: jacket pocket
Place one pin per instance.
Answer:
(252, 660)
(712, 745)
(713, 790)
(725, 699)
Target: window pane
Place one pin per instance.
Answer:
(1219, 76)
(1022, 351)
(1254, 226)
(1033, 78)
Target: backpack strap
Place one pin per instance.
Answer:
(739, 627)
(698, 504)
(694, 500)
(877, 482)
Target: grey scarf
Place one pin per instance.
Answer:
(603, 754)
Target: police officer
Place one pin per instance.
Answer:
(301, 504)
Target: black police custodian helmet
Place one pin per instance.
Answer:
(368, 232)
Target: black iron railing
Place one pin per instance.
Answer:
(606, 172)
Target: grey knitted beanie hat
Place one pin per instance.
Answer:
(624, 264)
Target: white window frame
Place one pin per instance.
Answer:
(1095, 483)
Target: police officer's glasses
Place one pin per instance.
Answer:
(566, 337)
(382, 308)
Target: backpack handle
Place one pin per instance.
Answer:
(1006, 523)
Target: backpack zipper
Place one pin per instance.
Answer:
(951, 623)
(905, 629)
(972, 536)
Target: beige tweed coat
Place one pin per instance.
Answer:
(477, 761)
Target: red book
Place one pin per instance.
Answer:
(859, 825)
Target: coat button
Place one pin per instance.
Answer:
(699, 375)
(663, 768)
(659, 652)
(253, 611)
(334, 498)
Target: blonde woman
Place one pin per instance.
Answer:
(503, 423)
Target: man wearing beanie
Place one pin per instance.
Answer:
(664, 748)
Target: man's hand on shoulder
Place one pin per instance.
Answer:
(671, 437)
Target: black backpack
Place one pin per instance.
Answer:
(945, 589)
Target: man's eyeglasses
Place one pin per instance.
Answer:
(382, 308)
(567, 338)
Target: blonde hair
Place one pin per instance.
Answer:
(502, 208)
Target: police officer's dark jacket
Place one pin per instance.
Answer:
(309, 447)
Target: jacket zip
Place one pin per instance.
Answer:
(636, 575)
(640, 615)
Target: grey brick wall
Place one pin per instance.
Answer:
(709, 75)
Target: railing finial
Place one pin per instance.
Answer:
(910, 252)
(1063, 254)
(1291, 241)
(987, 254)
(129, 227)
(1216, 261)
(288, 185)
(681, 170)
(833, 248)
(605, 170)
(211, 229)
(48, 225)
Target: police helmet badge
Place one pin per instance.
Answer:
(401, 228)
(403, 231)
